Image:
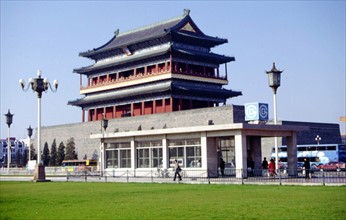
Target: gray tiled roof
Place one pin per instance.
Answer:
(177, 87)
(151, 32)
(122, 93)
(199, 55)
(122, 60)
(210, 57)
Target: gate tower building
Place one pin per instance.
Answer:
(164, 67)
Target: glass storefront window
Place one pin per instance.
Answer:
(143, 158)
(228, 152)
(193, 156)
(157, 157)
(112, 159)
(118, 155)
(187, 152)
(125, 158)
(149, 154)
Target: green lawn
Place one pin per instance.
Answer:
(72, 200)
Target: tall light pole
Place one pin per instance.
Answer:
(9, 119)
(104, 125)
(39, 85)
(318, 139)
(274, 78)
(29, 135)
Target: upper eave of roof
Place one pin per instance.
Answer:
(160, 29)
(123, 59)
(211, 57)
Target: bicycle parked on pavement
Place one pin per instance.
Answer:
(168, 173)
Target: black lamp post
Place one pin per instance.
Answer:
(9, 120)
(104, 125)
(29, 135)
(274, 79)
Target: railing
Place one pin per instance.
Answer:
(202, 176)
(52, 171)
(239, 176)
(149, 74)
(123, 79)
(199, 74)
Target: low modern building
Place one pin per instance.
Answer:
(16, 146)
(197, 148)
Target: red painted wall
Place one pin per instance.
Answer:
(148, 108)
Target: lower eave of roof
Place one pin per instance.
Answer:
(174, 88)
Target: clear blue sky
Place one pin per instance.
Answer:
(306, 39)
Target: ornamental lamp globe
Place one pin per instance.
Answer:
(9, 118)
(29, 131)
(274, 78)
(104, 123)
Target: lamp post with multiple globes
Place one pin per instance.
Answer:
(318, 139)
(39, 85)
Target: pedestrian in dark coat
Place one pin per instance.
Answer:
(307, 168)
(222, 167)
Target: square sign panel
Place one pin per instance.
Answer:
(256, 111)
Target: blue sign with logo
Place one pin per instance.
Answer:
(256, 111)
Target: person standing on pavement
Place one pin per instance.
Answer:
(264, 167)
(222, 167)
(272, 168)
(307, 168)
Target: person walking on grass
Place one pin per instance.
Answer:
(177, 170)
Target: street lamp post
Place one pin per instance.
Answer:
(274, 79)
(9, 119)
(104, 125)
(29, 135)
(39, 85)
(318, 139)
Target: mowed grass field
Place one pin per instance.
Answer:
(79, 200)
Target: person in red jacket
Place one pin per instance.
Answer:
(271, 167)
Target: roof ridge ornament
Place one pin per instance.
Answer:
(186, 11)
(274, 67)
(116, 32)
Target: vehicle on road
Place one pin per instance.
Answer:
(332, 166)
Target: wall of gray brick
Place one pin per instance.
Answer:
(330, 133)
(81, 131)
